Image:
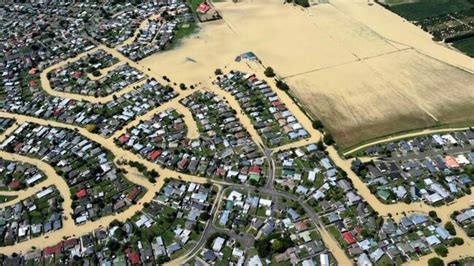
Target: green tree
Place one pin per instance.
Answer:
(269, 72)
(317, 124)
(303, 3)
(113, 245)
(263, 247)
(277, 245)
(435, 262)
(96, 73)
(450, 228)
(282, 85)
(328, 139)
(119, 233)
(204, 216)
(441, 250)
(458, 241)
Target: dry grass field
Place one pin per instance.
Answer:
(364, 71)
(386, 94)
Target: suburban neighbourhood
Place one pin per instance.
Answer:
(157, 133)
(436, 169)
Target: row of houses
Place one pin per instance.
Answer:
(259, 216)
(270, 116)
(365, 236)
(424, 144)
(158, 33)
(32, 217)
(103, 118)
(465, 219)
(73, 79)
(223, 150)
(368, 238)
(165, 227)
(5, 123)
(25, 41)
(122, 21)
(302, 170)
(97, 186)
(17, 175)
(436, 180)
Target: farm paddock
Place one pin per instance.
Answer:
(384, 95)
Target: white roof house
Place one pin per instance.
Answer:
(265, 203)
(218, 244)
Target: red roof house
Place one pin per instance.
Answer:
(254, 169)
(252, 78)
(133, 195)
(124, 138)
(53, 250)
(77, 74)
(82, 193)
(133, 256)
(451, 162)
(203, 8)
(153, 155)
(57, 112)
(14, 184)
(358, 229)
(349, 238)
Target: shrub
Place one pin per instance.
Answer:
(269, 72)
(303, 3)
(450, 228)
(435, 262)
(96, 73)
(441, 250)
(204, 216)
(317, 124)
(328, 139)
(458, 241)
(282, 85)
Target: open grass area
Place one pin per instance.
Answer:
(4, 198)
(183, 31)
(379, 98)
(466, 46)
(194, 4)
(430, 8)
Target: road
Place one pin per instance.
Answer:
(433, 153)
(403, 136)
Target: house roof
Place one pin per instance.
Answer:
(134, 257)
(82, 193)
(348, 237)
(203, 7)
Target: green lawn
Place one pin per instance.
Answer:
(430, 8)
(194, 4)
(466, 46)
(4, 198)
